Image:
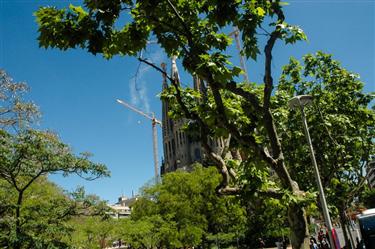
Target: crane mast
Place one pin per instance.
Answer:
(154, 122)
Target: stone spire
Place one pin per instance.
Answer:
(164, 67)
(174, 72)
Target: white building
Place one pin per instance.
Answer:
(122, 209)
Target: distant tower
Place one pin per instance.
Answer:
(180, 150)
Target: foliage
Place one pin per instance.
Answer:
(88, 204)
(35, 209)
(267, 220)
(15, 112)
(95, 28)
(92, 232)
(252, 118)
(44, 210)
(368, 198)
(184, 210)
(340, 113)
(147, 232)
(341, 127)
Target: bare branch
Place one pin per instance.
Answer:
(32, 180)
(155, 67)
(232, 173)
(271, 193)
(267, 33)
(226, 145)
(268, 81)
(277, 158)
(229, 191)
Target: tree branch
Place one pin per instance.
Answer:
(252, 98)
(271, 193)
(229, 191)
(32, 180)
(156, 67)
(268, 81)
(226, 145)
(221, 109)
(188, 34)
(277, 155)
(172, 28)
(219, 161)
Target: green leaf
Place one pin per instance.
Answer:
(260, 11)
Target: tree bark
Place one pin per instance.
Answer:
(299, 233)
(17, 243)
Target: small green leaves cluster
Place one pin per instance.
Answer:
(253, 16)
(15, 111)
(291, 33)
(252, 176)
(92, 29)
(216, 64)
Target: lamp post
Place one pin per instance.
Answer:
(299, 102)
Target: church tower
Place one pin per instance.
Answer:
(180, 150)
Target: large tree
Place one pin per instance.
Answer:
(187, 212)
(42, 210)
(242, 112)
(31, 219)
(93, 232)
(342, 128)
(33, 210)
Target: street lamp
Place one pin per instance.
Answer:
(299, 102)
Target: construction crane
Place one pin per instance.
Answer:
(154, 122)
(236, 34)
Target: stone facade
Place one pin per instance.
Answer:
(180, 150)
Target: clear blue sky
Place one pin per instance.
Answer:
(76, 91)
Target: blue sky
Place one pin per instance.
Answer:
(76, 91)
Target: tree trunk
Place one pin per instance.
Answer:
(299, 232)
(17, 242)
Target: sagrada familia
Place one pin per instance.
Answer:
(181, 151)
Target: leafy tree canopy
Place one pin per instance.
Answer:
(15, 112)
(186, 210)
(34, 209)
